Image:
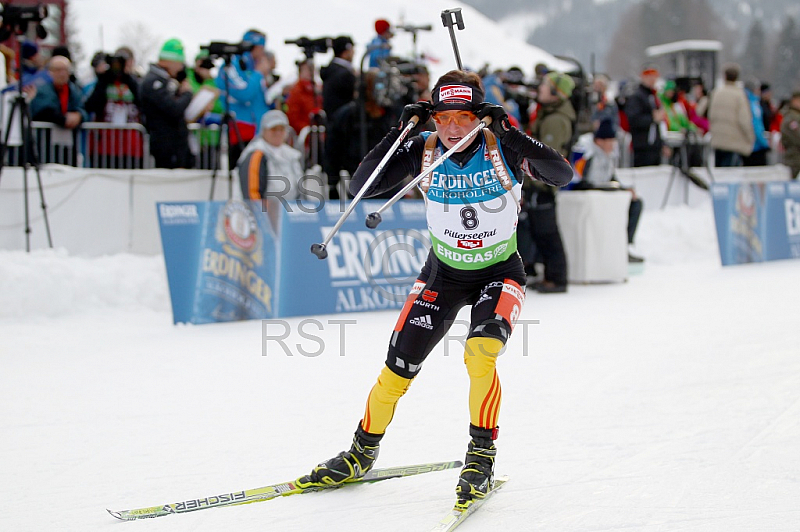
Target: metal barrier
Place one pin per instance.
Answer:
(104, 145)
(311, 141)
(125, 146)
(204, 141)
(49, 144)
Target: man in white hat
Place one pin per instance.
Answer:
(268, 166)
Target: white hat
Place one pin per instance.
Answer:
(274, 118)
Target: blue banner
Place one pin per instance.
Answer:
(757, 221)
(365, 269)
(220, 259)
(235, 261)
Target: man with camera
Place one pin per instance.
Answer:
(115, 100)
(165, 94)
(243, 82)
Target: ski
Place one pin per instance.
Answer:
(458, 515)
(272, 491)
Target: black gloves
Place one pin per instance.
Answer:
(422, 110)
(500, 124)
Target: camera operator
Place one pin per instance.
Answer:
(165, 94)
(246, 80)
(345, 129)
(339, 77)
(115, 100)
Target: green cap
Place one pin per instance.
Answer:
(172, 51)
(563, 83)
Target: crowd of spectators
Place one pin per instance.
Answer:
(740, 118)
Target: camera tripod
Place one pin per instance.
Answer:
(28, 157)
(227, 124)
(681, 164)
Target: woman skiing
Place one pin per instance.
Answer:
(472, 212)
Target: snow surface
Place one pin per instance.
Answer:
(667, 403)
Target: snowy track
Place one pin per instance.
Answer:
(669, 403)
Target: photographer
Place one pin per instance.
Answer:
(115, 100)
(345, 128)
(165, 95)
(243, 81)
(339, 77)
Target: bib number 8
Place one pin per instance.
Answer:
(469, 218)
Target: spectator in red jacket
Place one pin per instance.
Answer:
(303, 101)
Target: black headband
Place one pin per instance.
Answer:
(456, 96)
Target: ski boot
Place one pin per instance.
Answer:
(346, 466)
(477, 475)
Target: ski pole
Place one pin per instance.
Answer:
(320, 250)
(450, 18)
(374, 218)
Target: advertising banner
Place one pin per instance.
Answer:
(757, 221)
(220, 259)
(236, 261)
(365, 269)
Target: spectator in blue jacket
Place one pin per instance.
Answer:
(60, 102)
(752, 88)
(244, 84)
(380, 47)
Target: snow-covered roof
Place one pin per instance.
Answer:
(690, 45)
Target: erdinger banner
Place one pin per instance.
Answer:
(365, 269)
(757, 221)
(233, 261)
(220, 259)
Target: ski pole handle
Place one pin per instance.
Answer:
(320, 250)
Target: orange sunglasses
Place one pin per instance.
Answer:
(461, 118)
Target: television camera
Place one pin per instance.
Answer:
(226, 50)
(312, 46)
(20, 20)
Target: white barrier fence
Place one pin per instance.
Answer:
(97, 212)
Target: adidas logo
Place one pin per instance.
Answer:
(422, 321)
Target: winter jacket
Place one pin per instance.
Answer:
(645, 133)
(46, 106)
(338, 85)
(301, 103)
(553, 125)
(730, 120)
(790, 136)
(246, 90)
(267, 170)
(163, 111)
(761, 143)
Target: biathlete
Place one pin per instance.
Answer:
(472, 217)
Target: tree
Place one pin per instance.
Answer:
(787, 60)
(142, 41)
(753, 57)
(654, 22)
